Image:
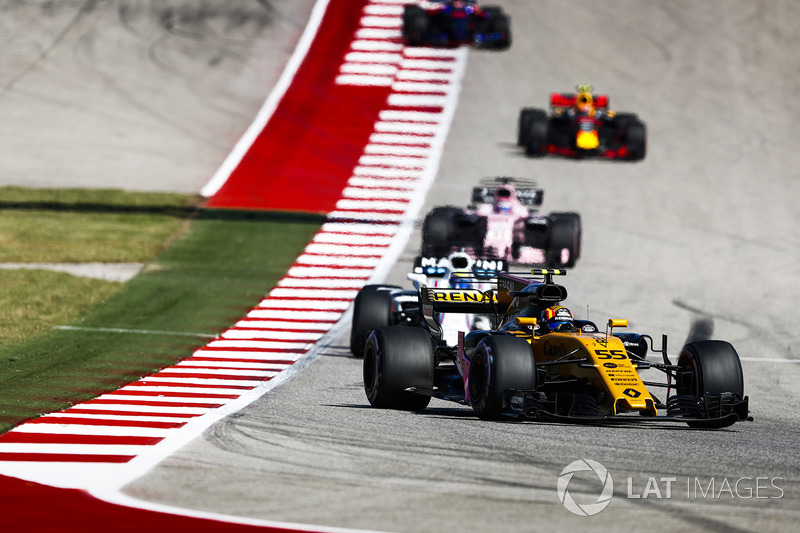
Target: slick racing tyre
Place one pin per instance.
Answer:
(415, 25)
(499, 363)
(633, 134)
(438, 230)
(499, 28)
(563, 240)
(372, 309)
(636, 139)
(396, 358)
(710, 367)
(523, 126)
(535, 135)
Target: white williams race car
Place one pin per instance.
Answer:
(377, 306)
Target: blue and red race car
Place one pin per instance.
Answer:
(451, 23)
(581, 125)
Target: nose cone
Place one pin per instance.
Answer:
(587, 140)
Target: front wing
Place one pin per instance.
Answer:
(712, 410)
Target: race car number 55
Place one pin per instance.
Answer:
(611, 354)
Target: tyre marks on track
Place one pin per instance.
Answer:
(118, 435)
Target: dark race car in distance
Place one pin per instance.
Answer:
(581, 125)
(452, 23)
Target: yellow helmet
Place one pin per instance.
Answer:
(584, 97)
(584, 101)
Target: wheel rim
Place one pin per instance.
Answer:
(370, 370)
(477, 377)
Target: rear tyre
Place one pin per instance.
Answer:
(636, 139)
(536, 143)
(525, 117)
(499, 363)
(633, 134)
(415, 25)
(563, 240)
(710, 367)
(394, 360)
(500, 29)
(372, 309)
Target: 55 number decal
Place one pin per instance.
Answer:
(611, 354)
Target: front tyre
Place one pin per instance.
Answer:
(714, 367)
(636, 139)
(536, 140)
(710, 367)
(499, 363)
(415, 25)
(563, 240)
(396, 358)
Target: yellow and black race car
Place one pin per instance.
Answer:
(540, 362)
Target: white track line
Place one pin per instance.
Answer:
(72, 429)
(769, 360)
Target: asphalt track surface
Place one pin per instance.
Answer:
(141, 95)
(700, 239)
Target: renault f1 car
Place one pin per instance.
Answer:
(450, 23)
(545, 365)
(389, 305)
(504, 222)
(581, 125)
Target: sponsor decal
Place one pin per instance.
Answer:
(458, 296)
(554, 350)
(517, 403)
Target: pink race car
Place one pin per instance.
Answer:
(504, 222)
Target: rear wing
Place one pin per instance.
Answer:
(512, 295)
(566, 100)
(529, 197)
(461, 262)
(470, 301)
(432, 301)
(527, 192)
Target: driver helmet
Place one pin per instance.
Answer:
(557, 317)
(502, 201)
(583, 100)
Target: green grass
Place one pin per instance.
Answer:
(209, 277)
(74, 226)
(33, 301)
